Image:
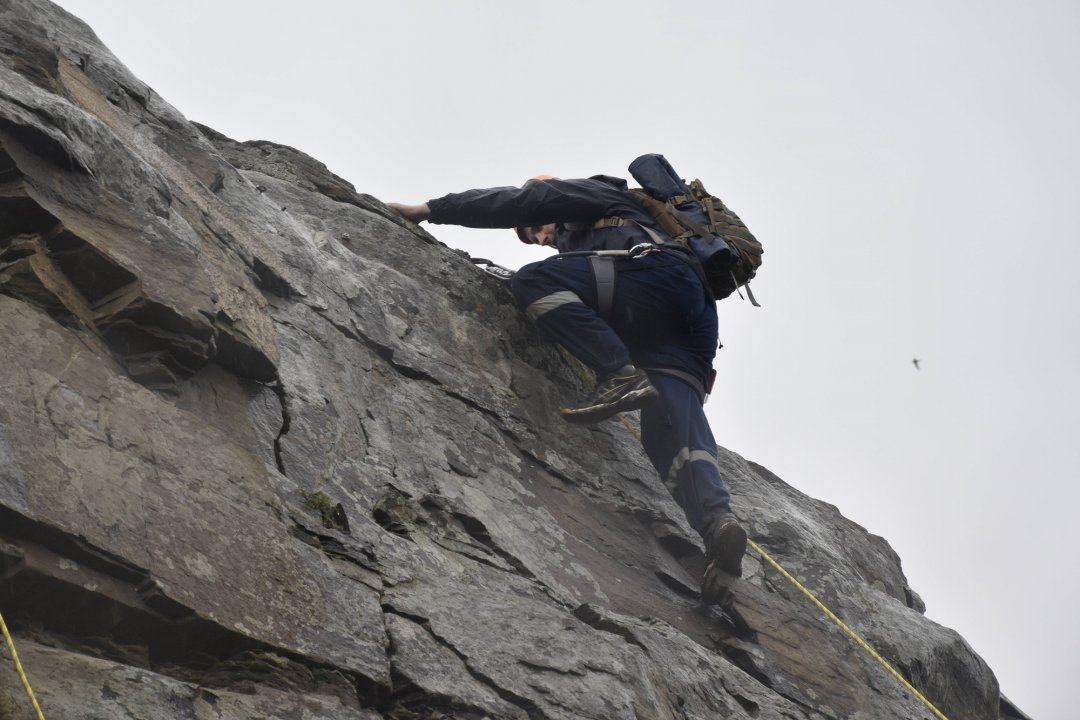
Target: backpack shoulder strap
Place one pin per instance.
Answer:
(607, 222)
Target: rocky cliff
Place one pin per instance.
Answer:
(269, 451)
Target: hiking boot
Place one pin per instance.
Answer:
(725, 543)
(626, 389)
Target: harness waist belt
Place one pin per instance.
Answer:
(691, 380)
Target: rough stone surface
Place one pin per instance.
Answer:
(269, 451)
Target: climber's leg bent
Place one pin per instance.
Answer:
(559, 296)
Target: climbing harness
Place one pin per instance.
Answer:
(19, 668)
(779, 568)
(602, 266)
(503, 273)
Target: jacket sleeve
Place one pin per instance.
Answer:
(537, 202)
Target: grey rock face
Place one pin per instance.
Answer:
(268, 450)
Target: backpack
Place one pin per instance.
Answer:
(728, 253)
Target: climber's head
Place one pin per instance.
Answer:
(538, 234)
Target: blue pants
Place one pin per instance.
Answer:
(660, 318)
(677, 438)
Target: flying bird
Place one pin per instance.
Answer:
(915, 362)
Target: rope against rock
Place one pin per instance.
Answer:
(19, 668)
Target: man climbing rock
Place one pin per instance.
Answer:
(644, 322)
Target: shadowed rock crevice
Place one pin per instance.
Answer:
(678, 585)
(270, 281)
(286, 421)
(384, 351)
(743, 653)
(526, 449)
(476, 530)
(67, 594)
(406, 693)
(42, 144)
(598, 619)
(453, 529)
(44, 263)
(749, 657)
(338, 547)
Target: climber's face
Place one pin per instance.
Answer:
(540, 234)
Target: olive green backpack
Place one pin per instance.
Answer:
(729, 253)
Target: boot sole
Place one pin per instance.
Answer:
(631, 401)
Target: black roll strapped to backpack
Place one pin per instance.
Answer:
(729, 254)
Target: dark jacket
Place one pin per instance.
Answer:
(573, 205)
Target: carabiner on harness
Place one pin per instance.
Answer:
(642, 250)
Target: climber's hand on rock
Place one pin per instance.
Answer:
(416, 213)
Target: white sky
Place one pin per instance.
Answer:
(911, 168)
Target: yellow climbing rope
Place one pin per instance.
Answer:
(19, 669)
(843, 626)
(779, 568)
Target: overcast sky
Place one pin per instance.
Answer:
(911, 168)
